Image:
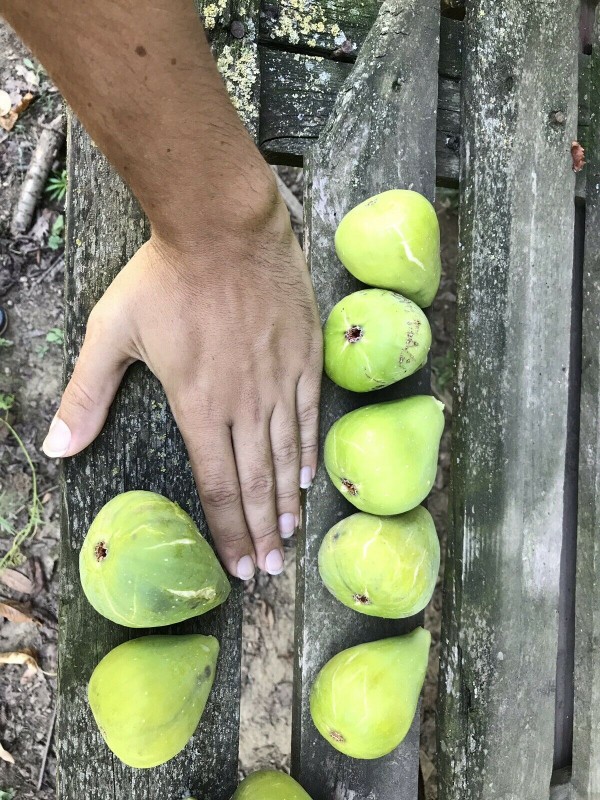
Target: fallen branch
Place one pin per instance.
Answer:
(46, 751)
(51, 139)
(291, 201)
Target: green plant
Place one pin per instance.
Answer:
(54, 336)
(19, 536)
(57, 185)
(5, 343)
(7, 794)
(56, 238)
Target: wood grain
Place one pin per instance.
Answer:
(510, 421)
(586, 744)
(381, 135)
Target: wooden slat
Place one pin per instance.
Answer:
(381, 135)
(499, 641)
(298, 91)
(140, 448)
(586, 744)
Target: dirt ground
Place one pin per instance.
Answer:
(31, 278)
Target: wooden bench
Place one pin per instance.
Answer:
(396, 118)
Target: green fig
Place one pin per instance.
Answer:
(392, 241)
(144, 563)
(382, 566)
(266, 784)
(364, 700)
(147, 695)
(383, 457)
(374, 338)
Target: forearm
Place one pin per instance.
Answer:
(141, 78)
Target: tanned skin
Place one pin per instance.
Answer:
(237, 345)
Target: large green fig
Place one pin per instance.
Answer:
(144, 563)
(147, 695)
(383, 457)
(374, 338)
(267, 784)
(382, 566)
(392, 240)
(363, 701)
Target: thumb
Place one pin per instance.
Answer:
(84, 405)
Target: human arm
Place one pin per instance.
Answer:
(238, 345)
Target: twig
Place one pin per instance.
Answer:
(290, 199)
(46, 750)
(51, 138)
(54, 265)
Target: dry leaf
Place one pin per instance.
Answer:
(23, 104)
(5, 103)
(39, 579)
(16, 612)
(8, 121)
(24, 657)
(16, 580)
(6, 756)
(578, 156)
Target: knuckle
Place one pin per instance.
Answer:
(258, 487)
(288, 496)
(286, 451)
(77, 396)
(264, 533)
(220, 496)
(232, 540)
(308, 415)
(309, 448)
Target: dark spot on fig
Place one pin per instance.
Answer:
(354, 334)
(362, 599)
(100, 551)
(207, 671)
(349, 487)
(336, 736)
(173, 61)
(140, 50)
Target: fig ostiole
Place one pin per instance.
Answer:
(364, 699)
(382, 566)
(392, 241)
(383, 457)
(148, 694)
(374, 338)
(267, 784)
(144, 563)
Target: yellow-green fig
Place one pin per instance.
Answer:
(383, 457)
(144, 563)
(392, 241)
(382, 566)
(374, 338)
(147, 695)
(266, 784)
(363, 701)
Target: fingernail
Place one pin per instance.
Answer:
(287, 525)
(245, 568)
(274, 562)
(306, 477)
(58, 439)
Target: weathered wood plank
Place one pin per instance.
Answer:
(298, 92)
(586, 744)
(381, 135)
(140, 447)
(499, 642)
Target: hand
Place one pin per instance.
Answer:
(238, 350)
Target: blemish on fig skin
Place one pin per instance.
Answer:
(173, 61)
(140, 50)
(362, 599)
(336, 736)
(349, 487)
(354, 334)
(100, 551)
